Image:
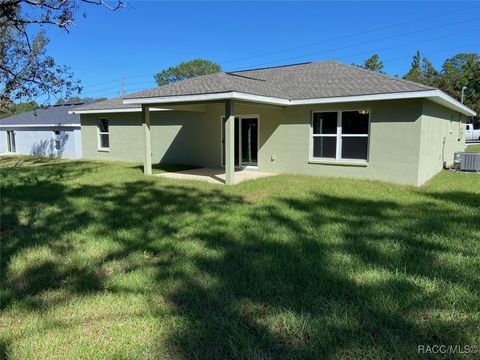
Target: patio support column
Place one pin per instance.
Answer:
(147, 162)
(229, 142)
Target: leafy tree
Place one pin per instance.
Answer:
(458, 71)
(415, 73)
(373, 63)
(26, 70)
(77, 99)
(462, 70)
(430, 75)
(186, 70)
(422, 71)
(19, 108)
(72, 99)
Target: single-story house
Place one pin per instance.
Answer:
(319, 118)
(49, 131)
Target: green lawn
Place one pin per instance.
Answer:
(473, 148)
(99, 261)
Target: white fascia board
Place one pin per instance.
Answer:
(107, 111)
(104, 111)
(232, 95)
(39, 125)
(451, 103)
(433, 95)
(372, 97)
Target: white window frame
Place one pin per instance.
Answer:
(11, 142)
(99, 133)
(339, 135)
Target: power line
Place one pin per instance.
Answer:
(91, 92)
(428, 52)
(341, 37)
(102, 83)
(324, 41)
(122, 86)
(399, 46)
(116, 80)
(305, 55)
(130, 90)
(119, 89)
(366, 42)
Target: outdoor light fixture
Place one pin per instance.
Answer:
(363, 112)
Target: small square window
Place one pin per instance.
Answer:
(354, 148)
(324, 147)
(325, 123)
(354, 122)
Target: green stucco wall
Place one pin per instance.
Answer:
(285, 134)
(184, 137)
(178, 137)
(126, 137)
(443, 133)
(403, 142)
(391, 155)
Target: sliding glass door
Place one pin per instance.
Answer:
(246, 141)
(249, 135)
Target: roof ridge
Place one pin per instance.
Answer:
(243, 76)
(269, 83)
(272, 67)
(390, 77)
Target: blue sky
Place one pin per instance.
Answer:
(137, 42)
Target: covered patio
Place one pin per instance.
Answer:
(231, 173)
(215, 175)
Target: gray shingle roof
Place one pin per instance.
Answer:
(293, 82)
(330, 79)
(215, 83)
(115, 103)
(52, 115)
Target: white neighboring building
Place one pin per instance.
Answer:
(47, 131)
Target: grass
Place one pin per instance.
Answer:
(473, 148)
(99, 261)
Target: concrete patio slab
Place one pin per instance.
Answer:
(214, 176)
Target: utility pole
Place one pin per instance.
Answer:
(122, 86)
(463, 92)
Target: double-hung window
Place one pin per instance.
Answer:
(103, 135)
(340, 135)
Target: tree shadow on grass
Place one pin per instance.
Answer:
(333, 311)
(317, 276)
(461, 198)
(159, 168)
(25, 193)
(4, 353)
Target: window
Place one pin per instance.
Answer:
(11, 147)
(103, 135)
(325, 135)
(58, 139)
(340, 135)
